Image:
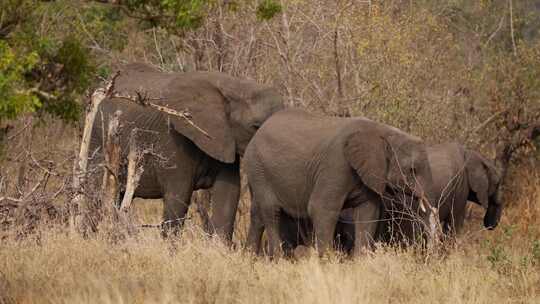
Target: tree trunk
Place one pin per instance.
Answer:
(78, 202)
(111, 186)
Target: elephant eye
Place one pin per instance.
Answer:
(256, 126)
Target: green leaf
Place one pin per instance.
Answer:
(267, 9)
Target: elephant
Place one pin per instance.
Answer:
(312, 167)
(299, 231)
(225, 113)
(459, 175)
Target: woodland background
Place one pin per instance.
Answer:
(458, 70)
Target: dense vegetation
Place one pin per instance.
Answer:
(459, 70)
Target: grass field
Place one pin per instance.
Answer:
(501, 266)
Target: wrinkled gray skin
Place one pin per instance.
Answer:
(459, 175)
(229, 109)
(312, 167)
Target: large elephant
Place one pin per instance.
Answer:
(183, 159)
(459, 175)
(310, 166)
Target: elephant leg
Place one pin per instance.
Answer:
(176, 200)
(324, 219)
(269, 211)
(256, 228)
(455, 221)
(366, 217)
(226, 193)
(270, 217)
(345, 234)
(294, 232)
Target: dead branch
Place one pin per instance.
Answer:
(110, 185)
(510, 6)
(11, 199)
(80, 168)
(31, 207)
(134, 172)
(143, 99)
(21, 131)
(485, 123)
(337, 62)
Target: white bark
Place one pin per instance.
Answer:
(110, 184)
(134, 172)
(80, 168)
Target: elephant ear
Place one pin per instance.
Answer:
(482, 176)
(187, 92)
(366, 153)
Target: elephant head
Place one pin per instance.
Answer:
(388, 160)
(484, 181)
(225, 111)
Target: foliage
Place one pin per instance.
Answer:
(535, 251)
(105, 27)
(53, 66)
(438, 69)
(267, 9)
(61, 45)
(175, 15)
(15, 97)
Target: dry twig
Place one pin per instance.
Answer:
(143, 99)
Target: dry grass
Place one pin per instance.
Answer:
(406, 67)
(502, 266)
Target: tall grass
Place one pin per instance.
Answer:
(500, 266)
(438, 72)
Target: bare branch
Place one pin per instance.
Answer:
(338, 64)
(501, 22)
(81, 165)
(12, 199)
(19, 132)
(512, 27)
(112, 160)
(142, 98)
(486, 122)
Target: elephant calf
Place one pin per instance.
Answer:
(312, 167)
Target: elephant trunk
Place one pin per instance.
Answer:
(494, 211)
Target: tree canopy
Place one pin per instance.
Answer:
(49, 50)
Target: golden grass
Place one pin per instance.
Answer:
(69, 269)
(483, 267)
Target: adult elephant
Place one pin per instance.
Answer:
(310, 166)
(459, 175)
(226, 112)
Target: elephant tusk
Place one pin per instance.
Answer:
(422, 206)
